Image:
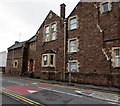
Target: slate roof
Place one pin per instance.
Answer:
(33, 39)
(17, 45)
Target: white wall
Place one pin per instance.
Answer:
(3, 59)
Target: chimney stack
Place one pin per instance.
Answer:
(16, 42)
(62, 10)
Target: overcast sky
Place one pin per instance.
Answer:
(20, 19)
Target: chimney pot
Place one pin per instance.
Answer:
(16, 42)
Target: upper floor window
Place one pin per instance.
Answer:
(47, 34)
(105, 7)
(72, 45)
(48, 60)
(116, 57)
(53, 32)
(50, 32)
(72, 23)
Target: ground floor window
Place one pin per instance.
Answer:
(15, 64)
(48, 60)
(116, 56)
(73, 66)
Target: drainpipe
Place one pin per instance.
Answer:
(64, 49)
(102, 31)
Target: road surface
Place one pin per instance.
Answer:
(28, 91)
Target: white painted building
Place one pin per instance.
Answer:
(3, 59)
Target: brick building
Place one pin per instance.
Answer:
(21, 57)
(85, 45)
(31, 53)
(16, 64)
(94, 43)
(50, 47)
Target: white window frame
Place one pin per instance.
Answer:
(49, 60)
(69, 45)
(115, 57)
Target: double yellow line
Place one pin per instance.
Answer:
(24, 99)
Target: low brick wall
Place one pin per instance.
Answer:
(95, 78)
(103, 79)
(115, 79)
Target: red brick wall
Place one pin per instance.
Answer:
(14, 55)
(32, 50)
(90, 56)
(56, 45)
(31, 54)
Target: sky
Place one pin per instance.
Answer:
(20, 19)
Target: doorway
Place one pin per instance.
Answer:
(31, 66)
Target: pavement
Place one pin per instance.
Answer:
(83, 86)
(110, 94)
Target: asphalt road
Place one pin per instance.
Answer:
(8, 100)
(35, 92)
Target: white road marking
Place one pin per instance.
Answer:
(31, 91)
(112, 103)
(96, 96)
(59, 92)
(106, 99)
(34, 83)
(82, 92)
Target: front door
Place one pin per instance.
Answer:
(31, 65)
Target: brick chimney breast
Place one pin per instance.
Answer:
(62, 10)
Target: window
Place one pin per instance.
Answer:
(47, 34)
(51, 59)
(73, 45)
(117, 52)
(73, 23)
(48, 60)
(53, 32)
(116, 57)
(50, 32)
(45, 59)
(73, 66)
(105, 7)
(15, 64)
